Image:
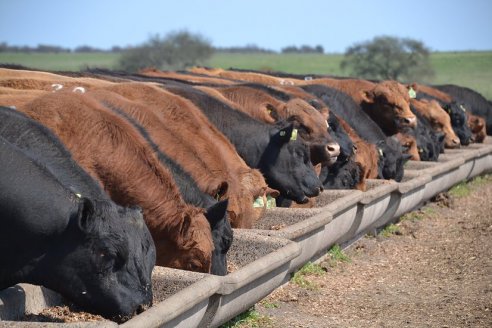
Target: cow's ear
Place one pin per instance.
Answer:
(272, 111)
(287, 133)
(367, 96)
(85, 214)
(216, 212)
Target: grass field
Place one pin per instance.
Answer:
(471, 69)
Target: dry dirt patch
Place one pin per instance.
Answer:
(434, 270)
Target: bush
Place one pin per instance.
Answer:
(387, 57)
(178, 50)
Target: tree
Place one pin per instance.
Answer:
(387, 57)
(177, 50)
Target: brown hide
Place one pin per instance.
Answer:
(109, 149)
(297, 92)
(152, 72)
(205, 153)
(410, 144)
(34, 80)
(385, 102)
(439, 120)
(478, 127)
(366, 155)
(432, 92)
(13, 97)
(242, 76)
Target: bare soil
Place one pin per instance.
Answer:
(435, 271)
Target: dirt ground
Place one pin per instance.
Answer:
(434, 270)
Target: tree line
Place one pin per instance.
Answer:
(383, 57)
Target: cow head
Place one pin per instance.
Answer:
(345, 173)
(440, 121)
(311, 127)
(287, 166)
(221, 234)
(104, 260)
(459, 119)
(478, 128)
(192, 244)
(409, 144)
(391, 159)
(390, 100)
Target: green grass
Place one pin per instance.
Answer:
(249, 319)
(390, 230)
(470, 69)
(465, 188)
(460, 190)
(61, 61)
(301, 277)
(269, 305)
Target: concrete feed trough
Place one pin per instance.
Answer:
(378, 202)
(264, 263)
(314, 229)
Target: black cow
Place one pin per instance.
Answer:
(285, 163)
(472, 100)
(345, 173)
(59, 231)
(222, 233)
(392, 159)
(430, 143)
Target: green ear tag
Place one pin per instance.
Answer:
(282, 133)
(293, 136)
(271, 202)
(258, 202)
(411, 93)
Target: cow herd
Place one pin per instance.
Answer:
(106, 174)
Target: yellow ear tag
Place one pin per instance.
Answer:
(380, 152)
(258, 202)
(421, 150)
(293, 136)
(78, 195)
(271, 202)
(463, 108)
(411, 93)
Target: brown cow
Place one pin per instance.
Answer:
(386, 102)
(438, 118)
(109, 149)
(262, 106)
(410, 144)
(367, 156)
(185, 134)
(478, 127)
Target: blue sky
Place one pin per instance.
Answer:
(443, 25)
